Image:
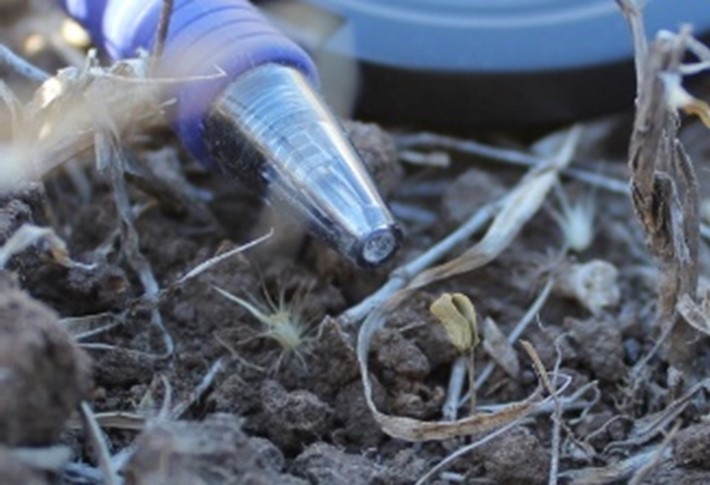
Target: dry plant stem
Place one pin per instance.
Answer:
(556, 417)
(161, 33)
(519, 206)
(433, 159)
(167, 398)
(115, 420)
(471, 374)
(512, 157)
(399, 278)
(663, 419)
(661, 454)
(99, 445)
(110, 159)
(461, 369)
(573, 402)
(201, 268)
(453, 393)
(82, 328)
(79, 179)
(597, 180)
(449, 460)
(95, 331)
(518, 331)
(453, 477)
(11, 62)
(511, 211)
(540, 370)
(413, 214)
(633, 11)
(76, 472)
(664, 188)
(199, 391)
(614, 473)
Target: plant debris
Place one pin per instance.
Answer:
(544, 321)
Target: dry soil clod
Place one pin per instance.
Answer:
(213, 451)
(44, 375)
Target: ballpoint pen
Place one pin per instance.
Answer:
(248, 106)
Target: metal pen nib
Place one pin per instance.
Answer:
(272, 131)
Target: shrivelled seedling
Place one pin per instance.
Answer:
(283, 323)
(458, 316)
(28, 235)
(576, 220)
(593, 284)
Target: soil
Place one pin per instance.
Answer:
(296, 414)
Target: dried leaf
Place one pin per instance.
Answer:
(520, 206)
(696, 315)
(664, 187)
(416, 430)
(680, 99)
(499, 349)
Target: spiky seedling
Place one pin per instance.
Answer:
(283, 323)
(576, 220)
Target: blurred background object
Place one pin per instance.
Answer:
(459, 64)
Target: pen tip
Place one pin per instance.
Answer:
(378, 247)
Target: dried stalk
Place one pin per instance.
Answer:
(664, 188)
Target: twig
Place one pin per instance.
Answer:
(401, 276)
(662, 453)
(110, 160)
(453, 393)
(448, 461)
(413, 214)
(613, 473)
(664, 188)
(11, 62)
(670, 413)
(199, 391)
(510, 213)
(519, 329)
(521, 204)
(161, 34)
(76, 472)
(556, 418)
(567, 403)
(99, 445)
(201, 268)
(512, 157)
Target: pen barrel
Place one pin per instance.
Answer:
(209, 44)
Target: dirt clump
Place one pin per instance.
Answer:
(599, 345)
(325, 464)
(516, 458)
(691, 447)
(213, 451)
(293, 419)
(44, 374)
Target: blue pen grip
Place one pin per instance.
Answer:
(209, 44)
